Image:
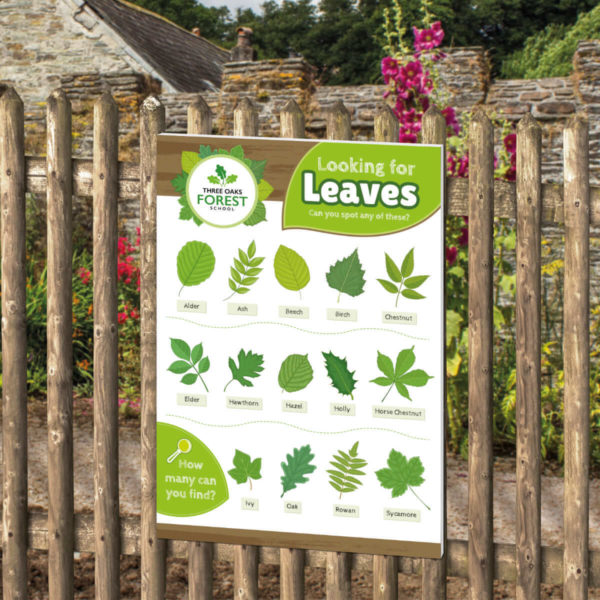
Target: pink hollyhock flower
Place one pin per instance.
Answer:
(463, 240)
(510, 142)
(426, 39)
(389, 69)
(451, 120)
(406, 137)
(451, 254)
(411, 73)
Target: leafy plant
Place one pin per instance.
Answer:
(190, 360)
(249, 365)
(401, 475)
(291, 269)
(400, 376)
(402, 280)
(221, 177)
(195, 264)
(295, 373)
(296, 468)
(347, 276)
(245, 271)
(245, 469)
(341, 377)
(346, 468)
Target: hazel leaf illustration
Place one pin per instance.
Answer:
(402, 281)
(346, 470)
(341, 377)
(291, 270)
(347, 276)
(295, 373)
(401, 475)
(249, 365)
(245, 469)
(244, 271)
(195, 264)
(296, 468)
(191, 360)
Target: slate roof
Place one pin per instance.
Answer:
(188, 62)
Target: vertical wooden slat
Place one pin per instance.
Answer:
(386, 127)
(528, 309)
(106, 434)
(434, 571)
(200, 554)
(153, 550)
(60, 349)
(14, 348)
(481, 212)
(339, 123)
(292, 560)
(576, 359)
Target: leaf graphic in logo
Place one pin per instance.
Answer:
(291, 269)
(214, 179)
(265, 189)
(221, 172)
(296, 373)
(189, 160)
(231, 179)
(195, 264)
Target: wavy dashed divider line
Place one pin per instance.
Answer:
(413, 437)
(242, 325)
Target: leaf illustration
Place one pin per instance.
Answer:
(402, 282)
(189, 160)
(346, 468)
(297, 467)
(401, 475)
(347, 276)
(341, 377)
(245, 271)
(231, 179)
(245, 469)
(214, 179)
(399, 375)
(195, 264)
(179, 183)
(221, 172)
(259, 214)
(192, 360)
(249, 365)
(265, 189)
(291, 269)
(186, 213)
(295, 373)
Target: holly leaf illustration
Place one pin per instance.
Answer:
(245, 469)
(402, 475)
(341, 377)
(195, 264)
(296, 468)
(402, 282)
(347, 276)
(291, 270)
(295, 373)
(249, 365)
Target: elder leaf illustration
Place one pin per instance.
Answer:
(191, 360)
(245, 271)
(295, 373)
(341, 377)
(291, 270)
(347, 276)
(296, 468)
(401, 281)
(195, 264)
(401, 475)
(399, 375)
(249, 365)
(245, 469)
(346, 468)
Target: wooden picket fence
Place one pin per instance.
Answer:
(61, 532)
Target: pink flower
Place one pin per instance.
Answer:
(451, 120)
(451, 254)
(426, 39)
(84, 275)
(510, 142)
(407, 138)
(411, 73)
(122, 317)
(463, 240)
(134, 314)
(389, 69)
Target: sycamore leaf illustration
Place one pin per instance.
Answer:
(245, 271)
(191, 360)
(295, 373)
(195, 264)
(402, 281)
(347, 276)
(402, 474)
(346, 468)
(291, 269)
(296, 468)
(399, 375)
(245, 469)
(249, 365)
(341, 377)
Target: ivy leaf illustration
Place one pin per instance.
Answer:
(192, 360)
(245, 469)
(214, 179)
(195, 264)
(179, 183)
(347, 276)
(296, 468)
(341, 377)
(295, 373)
(258, 215)
(346, 469)
(402, 475)
(221, 172)
(249, 365)
(231, 179)
(291, 270)
(189, 160)
(243, 272)
(402, 282)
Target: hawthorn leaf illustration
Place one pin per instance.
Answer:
(399, 375)
(402, 282)
(244, 271)
(195, 264)
(249, 365)
(191, 360)
(295, 373)
(291, 270)
(341, 377)
(346, 469)
(245, 469)
(401, 475)
(347, 276)
(296, 468)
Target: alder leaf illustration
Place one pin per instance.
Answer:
(341, 377)
(346, 469)
(347, 276)
(244, 271)
(295, 373)
(245, 469)
(291, 270)
(402, 475)
(296, 468)
(249, 365)
(192, 360)
(401, 281)
(195, 264)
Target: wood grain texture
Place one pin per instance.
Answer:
(14, 348)
(60, 348)
(481, 211)
(339, 123)
(528, 316)
(153, 550)
(245, 572)
(245, 119)
(106, 434)
(386, 127)
(576, 359)
(291, 120)
(385, 577)
(200, 118)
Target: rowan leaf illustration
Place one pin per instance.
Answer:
(402, 281)
(295, 373)
(347, 276)
(346, 470)
(250, 365)
(341, 377)
(296, 468)
(244, 271)
(245, 469)
(402, 474)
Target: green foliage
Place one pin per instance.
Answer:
(291, 270)
(190, 360)
(347, 276)
(402, 280)
(195, 264)
(296, 468)
(346, 468)
(342, 379)
(401, 475)
(249, 365)
(245, 469)
(245, 271)
(295, 373)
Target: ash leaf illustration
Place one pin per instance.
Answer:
(346, 469)
(249, 365)
(195, 264)
(191, 360)
(401, 475)
(399, 375)
(347, 276)
(245, 271)
(341, 377)
(291, 270)
(402, 282)
(296, 468)
(245, 469)
(295, 373)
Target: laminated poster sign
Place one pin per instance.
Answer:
(300, 350)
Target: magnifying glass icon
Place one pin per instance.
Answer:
(183, 447)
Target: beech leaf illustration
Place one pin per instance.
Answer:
(291, 270)
(347, 276)
(295, 373)
(402, 474)
(250, 365)
(296, 468)
(245, 469)
(195, 264)
(341, 377)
